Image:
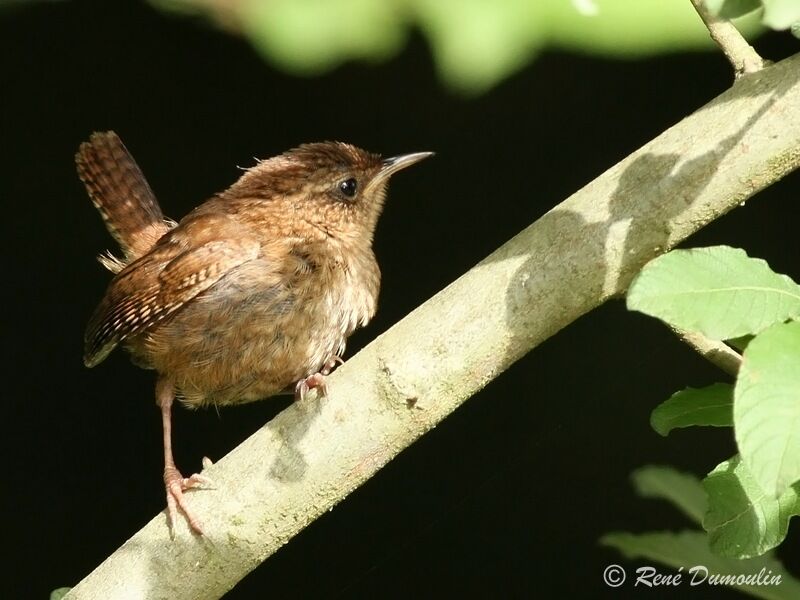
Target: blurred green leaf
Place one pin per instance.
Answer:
(475, 43)
(689, 549)
(731, 9)
(632, 29)
(683, 490)
(59, 593)
(312, 35)
(781, 14)
(778, 14)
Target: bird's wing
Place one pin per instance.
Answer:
(152, 288)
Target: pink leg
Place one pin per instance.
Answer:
(174, 482)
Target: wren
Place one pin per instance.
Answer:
(254, 292)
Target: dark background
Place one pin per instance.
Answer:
(510, 494)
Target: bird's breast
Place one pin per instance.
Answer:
(260, 329)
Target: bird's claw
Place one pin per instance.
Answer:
(175, 485)
(331, 364)
(317, 380)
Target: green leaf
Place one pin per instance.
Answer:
(59, 593)
(781, 14)
(766, 408)
(743, 521)
(711, 406)
(730, 9)
(689, 550)
(684, 490)
(628, 28)
(474, 43)
(718, 291)
(309, 36)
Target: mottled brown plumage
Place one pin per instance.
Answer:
(254, 291)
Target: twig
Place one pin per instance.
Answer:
(741, 55)
(583, 252)
(717, 353)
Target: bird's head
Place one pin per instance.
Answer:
(333, 186)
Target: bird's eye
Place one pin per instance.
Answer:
(348, 187)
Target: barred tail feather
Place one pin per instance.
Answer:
(122, 195)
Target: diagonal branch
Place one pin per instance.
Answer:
(741, 55)
(716, 352)
(580, 254)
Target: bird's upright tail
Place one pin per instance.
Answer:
(120, 192)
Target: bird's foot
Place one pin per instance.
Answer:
(317, 380)
(176, 484)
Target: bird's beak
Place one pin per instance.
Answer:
(392, 165)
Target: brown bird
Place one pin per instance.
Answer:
(254, 291)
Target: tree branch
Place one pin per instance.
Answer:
(581, 253)
(741, 55)
(716, 352)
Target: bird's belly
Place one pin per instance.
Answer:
(238, 343)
